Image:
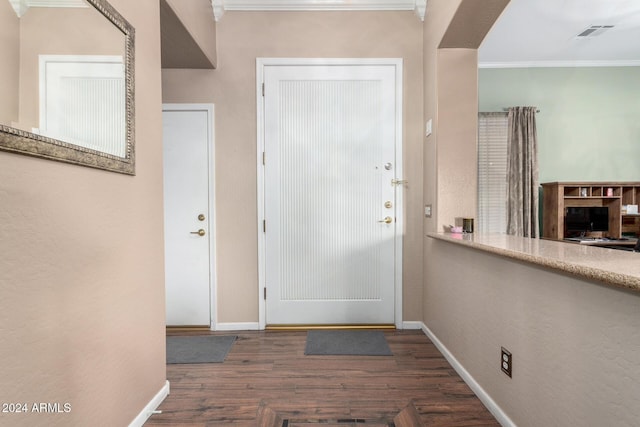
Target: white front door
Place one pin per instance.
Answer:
(188, 185)
(330, 196)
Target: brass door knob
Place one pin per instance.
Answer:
(200, 232)
(386, 220)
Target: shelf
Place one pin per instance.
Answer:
(592, 197)
(596, 191)
(558, 196)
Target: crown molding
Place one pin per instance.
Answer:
(560, 64)
(21, 6)
(421, 9)
(221, 6)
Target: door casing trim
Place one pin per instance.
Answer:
(261, 63)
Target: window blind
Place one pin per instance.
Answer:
(492, 172)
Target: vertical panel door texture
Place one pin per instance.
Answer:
(330, 211)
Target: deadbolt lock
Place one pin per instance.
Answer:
(201, 217)
(388, 204)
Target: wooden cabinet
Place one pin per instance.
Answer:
(557, 196)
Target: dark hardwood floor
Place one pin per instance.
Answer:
(267, 376)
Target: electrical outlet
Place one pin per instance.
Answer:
(427, 211)
(506, 361)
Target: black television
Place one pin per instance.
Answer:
(585, 219)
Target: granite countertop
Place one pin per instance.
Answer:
(609, 266)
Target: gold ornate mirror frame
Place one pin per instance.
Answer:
(31, 144)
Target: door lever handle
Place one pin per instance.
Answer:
(395, 181)
(387, 220)
(200, 232)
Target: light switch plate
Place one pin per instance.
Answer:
(427, 211)
(428, 127)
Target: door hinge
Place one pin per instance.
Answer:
(262, 89)
(265, 292)
(264, 225)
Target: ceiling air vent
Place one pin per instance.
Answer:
(594, 30)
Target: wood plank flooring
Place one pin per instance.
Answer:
(267, 372)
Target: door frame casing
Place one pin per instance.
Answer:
(211, 220)
(261, 63)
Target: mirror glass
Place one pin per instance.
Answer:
(67, 82)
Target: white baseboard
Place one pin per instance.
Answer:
(412, 325)
(242, 326)
(484, 397)
(144, 415)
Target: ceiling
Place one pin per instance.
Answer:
(529, 33)
(544, 33)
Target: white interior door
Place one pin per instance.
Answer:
(330, 202)
(188, 185)
(82, 101)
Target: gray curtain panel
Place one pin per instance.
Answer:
(522, 173)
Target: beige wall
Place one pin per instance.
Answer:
(197, 17)
(10, 65)
(437, 19)
(453, 30)
(456, 154)
(575, 344)
(244, 36)
(81, 270)
(59, 31)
